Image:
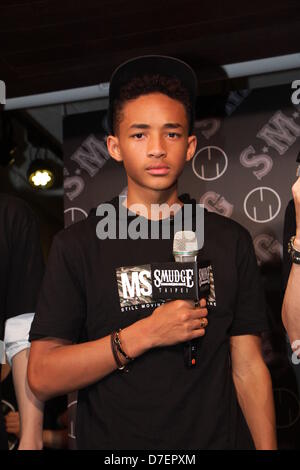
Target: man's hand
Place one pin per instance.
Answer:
(12, 423)
(177, 321)
(296, 196)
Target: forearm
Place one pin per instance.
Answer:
(64, 369)
(255, 396)
(291, 304)
(30, 408)
(57, 367)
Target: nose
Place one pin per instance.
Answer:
(156, 147)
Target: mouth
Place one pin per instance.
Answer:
(158, 170)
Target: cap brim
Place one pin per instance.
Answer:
(151, 64)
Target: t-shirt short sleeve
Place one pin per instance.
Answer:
(25, 270)
(250, 312)
(61, 305)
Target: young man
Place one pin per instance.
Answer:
(21, 271)
(87, 296)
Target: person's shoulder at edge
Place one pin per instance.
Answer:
(17, 217)
(15, 206)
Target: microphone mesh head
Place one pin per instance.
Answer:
(185, 242)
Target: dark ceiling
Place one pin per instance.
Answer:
(54, 45)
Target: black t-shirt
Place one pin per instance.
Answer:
(159, 403)
(21, 266)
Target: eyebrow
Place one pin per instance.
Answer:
(168, 125)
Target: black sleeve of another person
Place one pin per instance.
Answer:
(61, 306)
(26, 266)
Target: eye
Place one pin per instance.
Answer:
(138, 136)
(174, 135)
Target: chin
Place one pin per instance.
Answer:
(162, 185)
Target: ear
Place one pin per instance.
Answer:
(192, 145)
(113, 148)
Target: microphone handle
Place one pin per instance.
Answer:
(190, 349)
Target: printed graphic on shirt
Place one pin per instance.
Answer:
(135, 287)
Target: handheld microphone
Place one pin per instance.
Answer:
(185, 249)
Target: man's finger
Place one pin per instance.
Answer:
(200, 323)
(198, 312)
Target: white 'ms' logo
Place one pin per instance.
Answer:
(136, 284)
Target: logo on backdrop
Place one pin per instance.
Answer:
(73, 215)
(208, 127)
(235, 99)
(262, 204)
(214, 202)
(267, 248)
(73, 186)
(280, 133)
(90, 156)
(210, 163)
(263, 162)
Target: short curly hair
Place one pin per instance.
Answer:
(138, 86)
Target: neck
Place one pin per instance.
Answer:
(146, 198)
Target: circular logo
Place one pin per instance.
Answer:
(287, 408)
(73, 215)
(210, 163)
(262, 205)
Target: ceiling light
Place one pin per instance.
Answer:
(41, 175)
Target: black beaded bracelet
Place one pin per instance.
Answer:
(118, 343)
(295, 254)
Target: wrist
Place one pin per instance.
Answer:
(136, 339)
(31, 437)
(146, 332)
(31, 444)
(270, 444)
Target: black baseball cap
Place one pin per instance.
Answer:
(152, 65)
